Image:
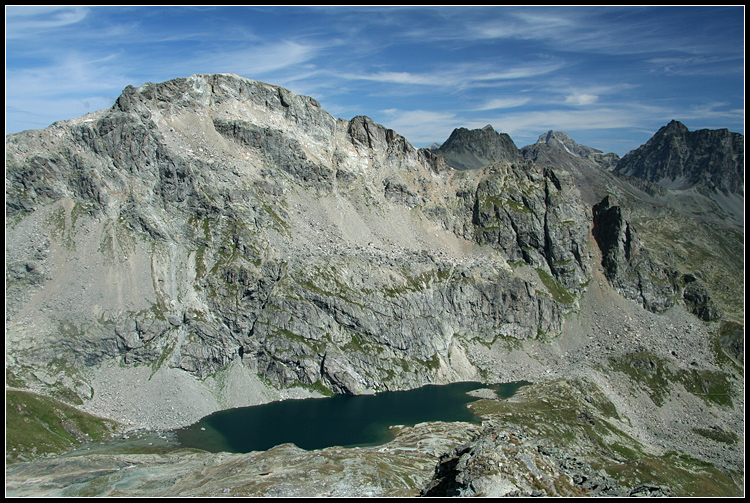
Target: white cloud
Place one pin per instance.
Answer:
(251, 61)
(536, 122)
(581, 99)
(500, 103)
(459, 75)
(72, 73)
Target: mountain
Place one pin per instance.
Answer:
(555, 148)
(471, 149)
(213, 242)
(562, 142)
(704, 168)
(677, 158)
(215, 219)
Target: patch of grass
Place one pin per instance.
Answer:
(648, 370)
(317, 387)
(558, 292)
(729, 346)
(355, 345)
(723, 436)
(433, 363)
(57, 221)
(282, 225)
(710, 385)
(317, 346)
(555, 411)
(165, 354)
(683, 475)
(37, 426)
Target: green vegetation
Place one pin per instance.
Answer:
(420, 282)
(166, 353)
(684, 475)
(711, 251)
(433, 363)
(653, 373)
(283, 227)
(37, 425)
(557, 412)
(57, 222)
(728, 345)
(203, 225)
(725, 437)
(558, 292)
(710, 385)
(317, 387)
(355, 344)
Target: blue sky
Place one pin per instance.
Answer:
(608, 76)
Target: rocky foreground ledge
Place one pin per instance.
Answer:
(561, 438)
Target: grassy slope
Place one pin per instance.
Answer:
(37, 425)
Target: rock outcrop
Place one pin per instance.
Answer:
(501, 462)
(553, 145)
(632, 271)
(589, 166)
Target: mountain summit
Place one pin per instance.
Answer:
(564, 141)
(472, 149)
(677, 158)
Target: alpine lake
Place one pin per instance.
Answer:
(340, 420)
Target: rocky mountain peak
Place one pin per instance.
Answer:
(674, 127)
(472, 149)
(231, 198)
(555, 148)
(562, 140)
(677, 158)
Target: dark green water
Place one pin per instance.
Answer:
(340, 420)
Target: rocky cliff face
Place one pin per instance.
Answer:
(215, 218)
(586, 164)
(632, 271)
(472, 149)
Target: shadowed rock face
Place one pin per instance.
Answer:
(677, 158)
(472, 149)
(635, 274)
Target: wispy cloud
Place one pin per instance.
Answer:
(419, 126)
(419, 70)
(697, 65)
(458, 75)
(581, 99)
(253, 59)
(500, 103)
(28, 21)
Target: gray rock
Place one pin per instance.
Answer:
(678, 158)
(476, 148)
